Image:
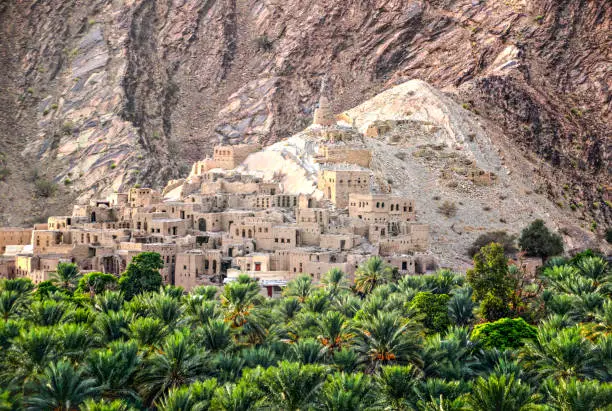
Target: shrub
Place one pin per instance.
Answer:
(4, 173)
(503, 334)
(263, 43)
(448, 209)
(501, 237)
(67, 181)
(67, 127)
(538, 241)
(44, 187)
(433, 308)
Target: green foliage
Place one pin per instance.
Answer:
(433, 309)
(538, 241)
(490, 281)
(66, 275)
(500, 393)
(372, 273)
(500, 237)
(503, 334)
(44, 188)
(142, 275)
(96, 283)
(388, 344)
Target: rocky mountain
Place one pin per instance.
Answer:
(99, 95)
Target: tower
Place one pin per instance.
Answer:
(323, 115)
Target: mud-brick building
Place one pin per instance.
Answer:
(338, 182)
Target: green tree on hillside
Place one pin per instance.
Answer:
(490, 281)
(142, 275)
(538, 241)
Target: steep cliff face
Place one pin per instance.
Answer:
(102, 94)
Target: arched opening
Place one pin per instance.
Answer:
(214, 266)
(202, 224)
(93, 217)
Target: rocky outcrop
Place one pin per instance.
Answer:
(110, 93)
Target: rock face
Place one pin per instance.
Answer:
(102, 94)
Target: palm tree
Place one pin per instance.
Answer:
(387, 338)
(147, 331)
(561, 354)
(59, 388)
(74, 340)
(372, 273)
(237, 397)
(113, 369)
(109, 301)
(574, 394)
(30, 353)
(227, 367)
(178, 362)
(216, 335)
(111, 326)
(22, 286)
(168, 309)
(66, 275)
(500, 393)
(258, 356)
(306, 351)
(317, 302)
(48, 312)
(348, 392)
(117, 405)
(293, 386)
(450, 357)
(200, 310)
(301, 287)
(289, 307)
(334, 331)
(594, 268)
(461, 306)
(238, 299)
(397, 386)
(334, 282)
(196, 397)
(10, 304)
(435, 394)
(346, 360)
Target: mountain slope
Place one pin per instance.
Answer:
(114, 92)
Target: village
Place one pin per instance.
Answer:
(223, 220)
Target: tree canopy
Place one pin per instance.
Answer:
(419, 343)
(141, 275)
(538, 241)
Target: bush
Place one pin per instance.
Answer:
(538, 241)
(504, 334)
(4, 173)
(44, 187)
(506, 240)
(448, 209)
(67, 127)
(433, 308)
(263, 43)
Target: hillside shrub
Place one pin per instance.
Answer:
(44, 187)
(538, 241)
(448, 209)
(501, 237)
